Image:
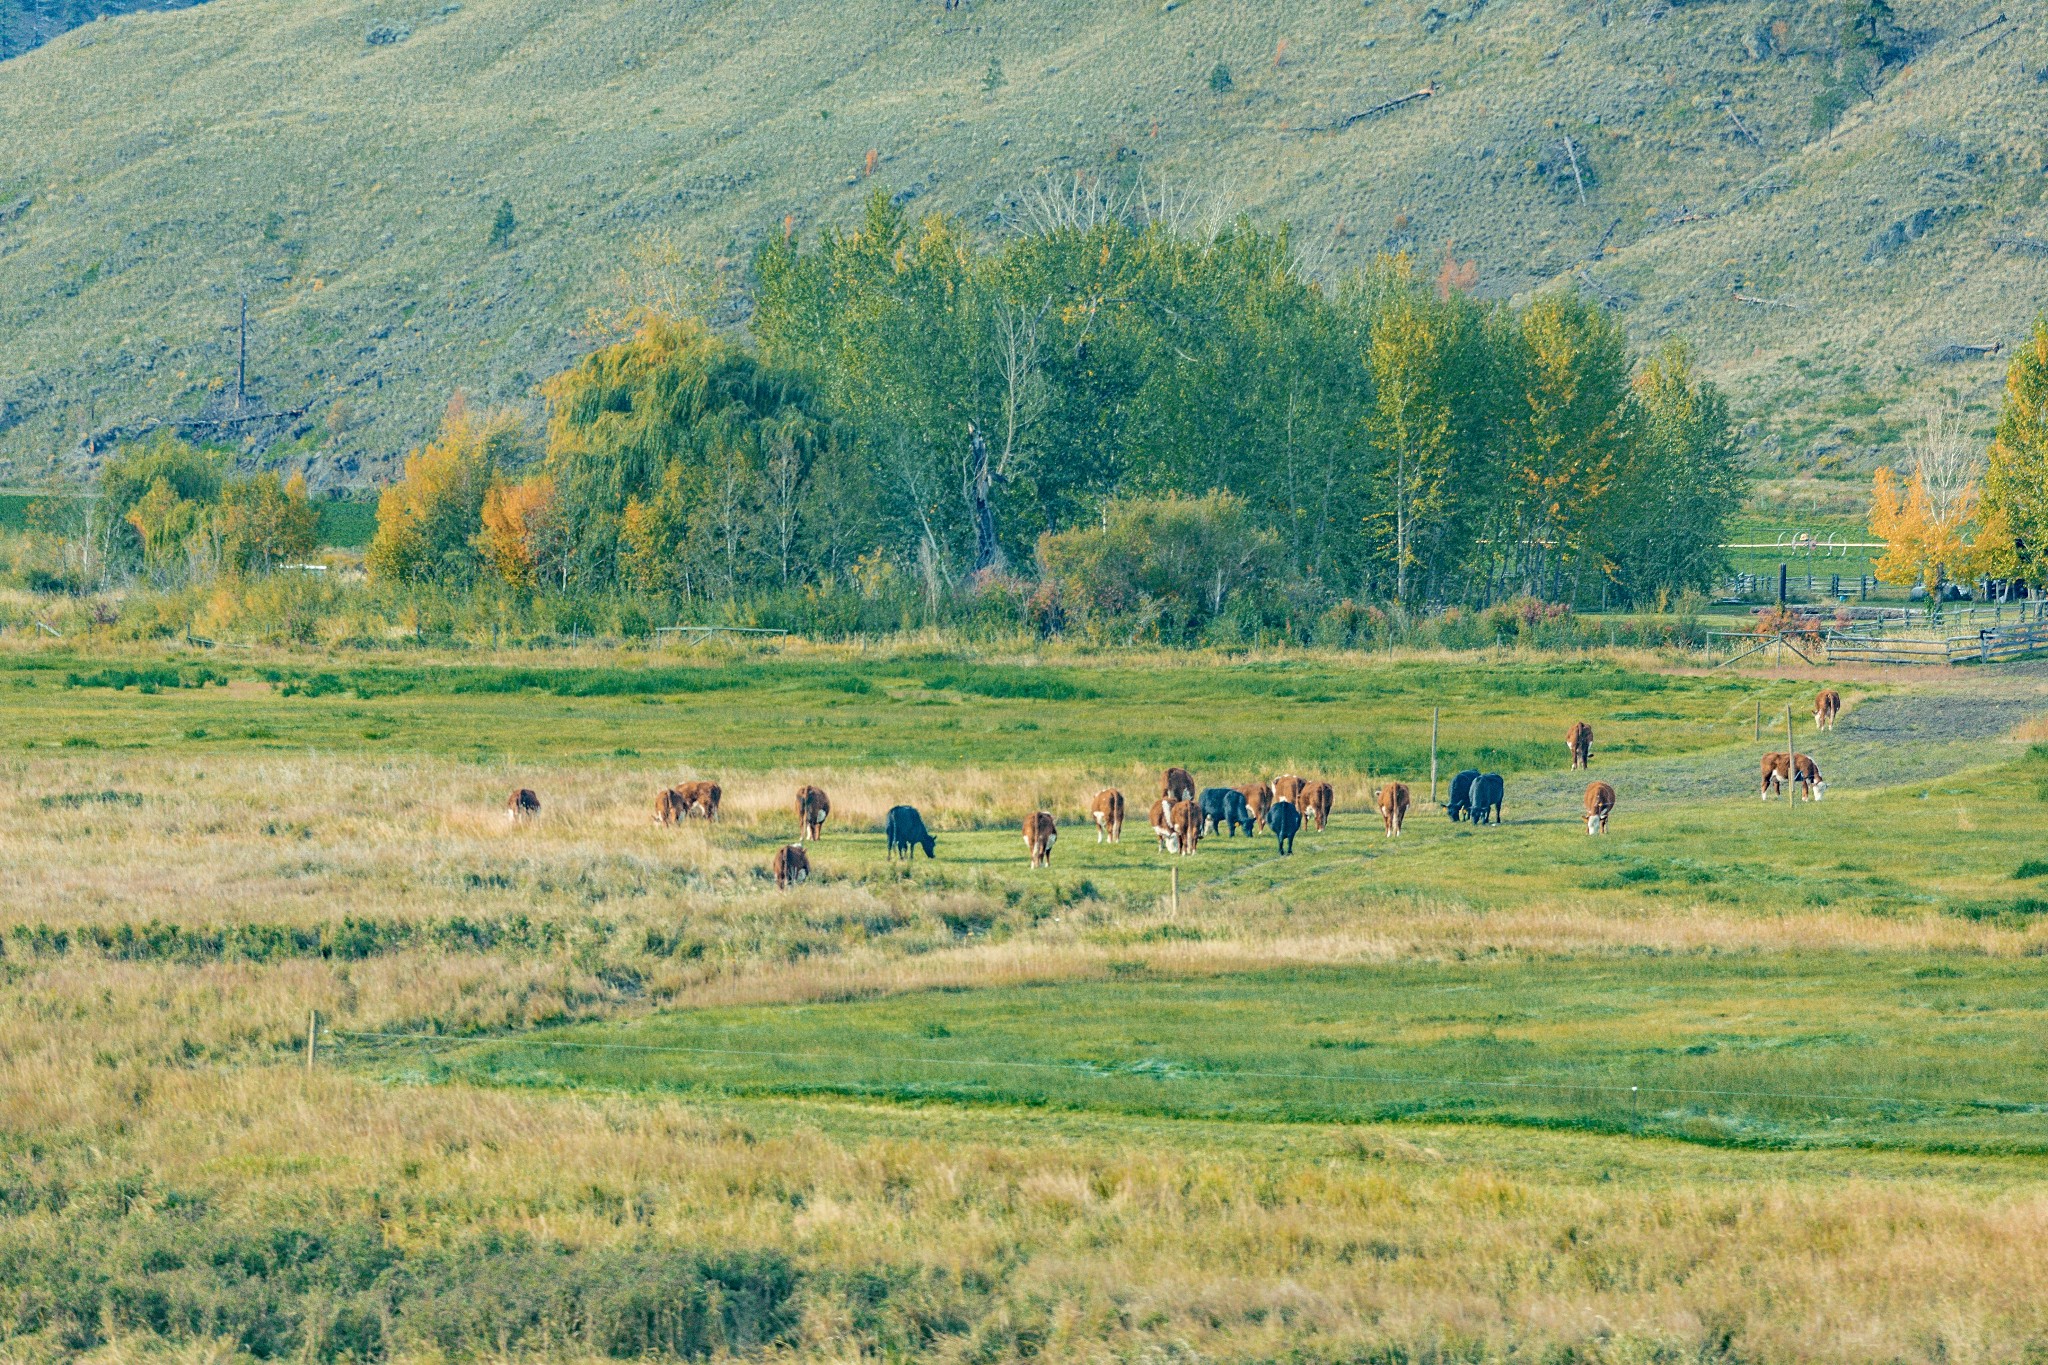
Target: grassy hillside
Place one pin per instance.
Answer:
(1662, 156)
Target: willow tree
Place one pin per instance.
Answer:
(2016, 479)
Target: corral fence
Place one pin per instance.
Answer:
(1986, 634)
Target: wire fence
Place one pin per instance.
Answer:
(854, 1072)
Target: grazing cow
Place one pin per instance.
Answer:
(811, 809)
(669, 807)
(1826, 707)
(1258, 799)
(1318, 799)
(1287, 787)
(792, 865)
(906, 832)
(1394, 807)
(522, 805)
(1580, 740)
(1162, 825)
(1806, 776)
(1461, 795)
(1177, 785)
(1108, 811)
(1285, 822)
(1223, 806)
(1039, 833)
(1487, 793)
(700, 798)
(1599, 805)
(1186, 820)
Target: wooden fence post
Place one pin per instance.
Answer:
(1757, 729)
(1791, 753)
(1174, 893)
(1435, 713)
(312, 1038)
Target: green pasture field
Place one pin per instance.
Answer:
(343, 524)
(1227, 719)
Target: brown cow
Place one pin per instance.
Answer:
(1162, 825)
(522, 805)
(669, 807)
(1394, 807)
(1258, 799)
(1580, 740)
(792, 865)
(1039, 833)
(1108, 811)
(1599, 805)
(1826, 707)
(1287, 787)
(1187, 826)
(812, 807)
(1177, 785)
(700, 798)
(1806, 776)
(1317, 799)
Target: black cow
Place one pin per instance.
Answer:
(1225, 806)
(1284, 819)
(905, 828)
(1461, 794)
(1486, 798)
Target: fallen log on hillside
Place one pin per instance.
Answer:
(1341, 124)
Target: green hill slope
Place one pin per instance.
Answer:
(344, 161)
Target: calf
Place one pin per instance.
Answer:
(1580, 740)
(1162, 825)
(1318, 799)
(1108, 810)
(1394, 807)
(1826, 707)
(906, 833)
(669, 807)
(1285, 822)
(1039, 833)
(1177, 785)
(811, 809)
(1287, 787)
(1187, 826)
(522, 805)
(1486, 798)
(1223, 806)
(792, 865)
(1461, 795)
(1599, 805)
(1258, 799)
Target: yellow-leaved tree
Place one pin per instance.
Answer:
(427, 522)
(1930, 521)
(519, 538)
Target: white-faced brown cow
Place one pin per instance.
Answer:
(522, 805)
(1826, 707)
(1393, 807)
(1258, 799)
(1107, 810)
(1287, 787)
(1580, 740)
(1318, 798)
(792, 865)
(1186, 820)
(1039, 833)
(1177, 785)
(812, 806)
(1162, 825)
(1599, 805)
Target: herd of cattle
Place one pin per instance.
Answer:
(1183, 815)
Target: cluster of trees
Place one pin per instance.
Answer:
(958, 411)
(169, 510)
(1957, 514)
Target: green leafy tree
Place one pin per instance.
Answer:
(2015, 498)
(1680, 482)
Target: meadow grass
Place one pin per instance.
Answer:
(237, 852)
